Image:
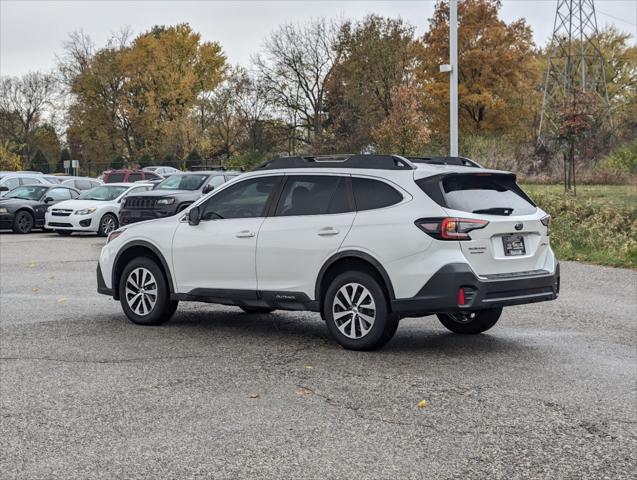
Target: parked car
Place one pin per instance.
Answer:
(125, 175)
(82, 183)
(54, 179)
(163, 171)
(95, 210)
(172, 195)
(365, 240)
(23, 208)
(11, 180)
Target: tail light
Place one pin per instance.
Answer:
(546, 221)
(450, 228)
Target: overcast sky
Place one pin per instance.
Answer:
(32, 32)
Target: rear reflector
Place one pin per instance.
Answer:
(461, 299)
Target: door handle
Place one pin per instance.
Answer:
(245, 234)
(327, 231)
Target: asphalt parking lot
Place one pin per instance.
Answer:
(550, 392)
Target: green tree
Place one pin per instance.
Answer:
(118, 162)
(193, 159)
(40, 162)
(376, 56)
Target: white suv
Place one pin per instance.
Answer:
(365, 240)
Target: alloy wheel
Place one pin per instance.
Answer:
(25, 222)
(141, 291)
(354, 310)
(108, 224)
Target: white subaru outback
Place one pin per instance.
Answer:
(364, 240)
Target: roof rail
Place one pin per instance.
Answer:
(459, 161)
(376, 162)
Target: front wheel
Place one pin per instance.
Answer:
(471, 322)
(23, 222)
(357, 313)
(144, 294)
(108, 223)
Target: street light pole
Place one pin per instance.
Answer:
(453, 79)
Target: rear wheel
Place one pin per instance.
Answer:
(262, 310)
(144, 294)
(108, 223)
(470, 322)
(357, 313)
(23, 222)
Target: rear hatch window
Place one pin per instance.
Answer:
(486, 193)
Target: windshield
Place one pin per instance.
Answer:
(104, 193)
(182, 182)
(30, 192)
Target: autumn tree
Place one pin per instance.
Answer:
(376, 56)
(23, 105)
(136, 98)
(498, 71)
(404, 130)
(9, 159)
(293, 69)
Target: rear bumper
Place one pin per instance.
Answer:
(440, 293)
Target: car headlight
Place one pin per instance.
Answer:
(85, 211)
(4, 210)
(114, 234)
(165, 201)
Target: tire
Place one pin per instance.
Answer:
(353, 330)
(23, 222)
(108, 223)
(472, 322)
(148, 313)
(261, 310)
(64, 233)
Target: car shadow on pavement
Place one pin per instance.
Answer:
(291, 327)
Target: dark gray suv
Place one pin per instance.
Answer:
(172, 195)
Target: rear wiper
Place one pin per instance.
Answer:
(495, 211)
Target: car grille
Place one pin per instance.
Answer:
(61, 212)
(140, 203)
(59, 224)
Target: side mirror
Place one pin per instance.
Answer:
(4, 188)
(194, 216)
(208, 188)
(48, 200)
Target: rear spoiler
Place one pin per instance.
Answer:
(433, 186)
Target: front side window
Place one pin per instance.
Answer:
(59, 194)
(216, 181)
(370, 194)
(246, 199)
(313, 195)
(182, 182)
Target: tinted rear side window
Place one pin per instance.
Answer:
(115, 178)
(370, 194)
(485, 193)
(313, 195)
(134, 177)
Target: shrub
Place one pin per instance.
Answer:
(623, 160)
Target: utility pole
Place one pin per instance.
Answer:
(452, 68)
(575, 74)
(453, 82)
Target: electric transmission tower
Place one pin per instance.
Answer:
(575, 77)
